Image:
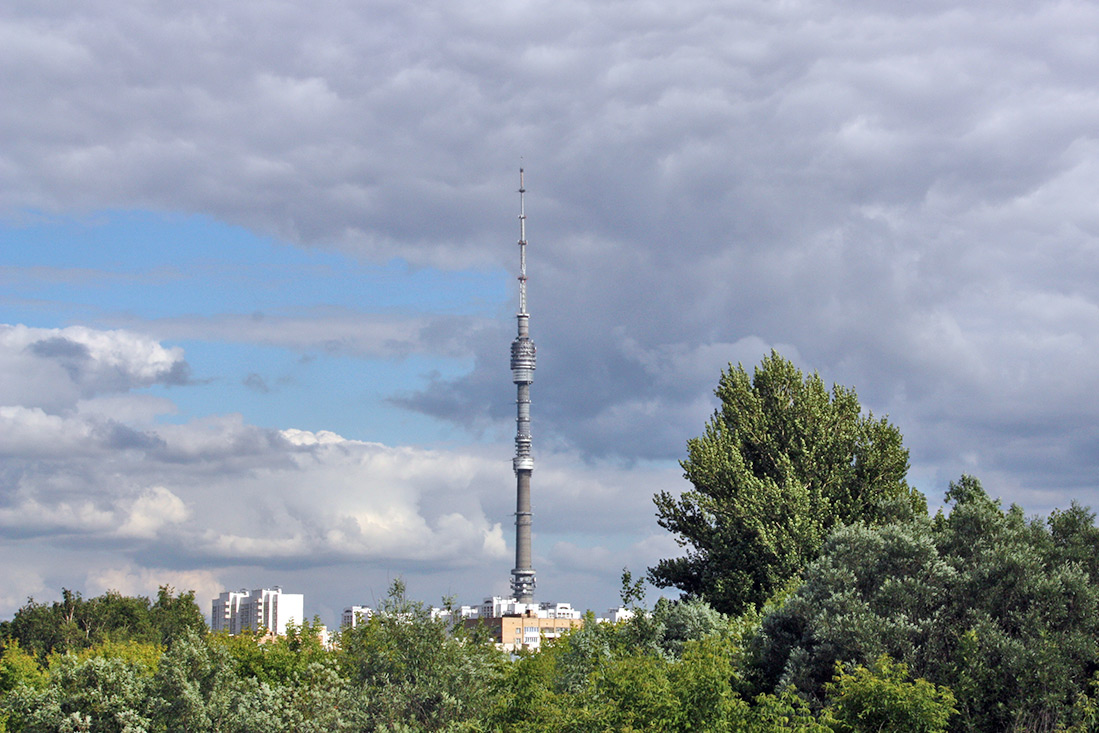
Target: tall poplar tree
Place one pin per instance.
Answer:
(781, 463)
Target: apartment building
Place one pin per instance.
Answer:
(261, 610)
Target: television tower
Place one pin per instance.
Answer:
(522, 374)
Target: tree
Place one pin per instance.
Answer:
(781, 463)
(41, 628)
(275, 660)
(882, 698)
(415, 671)
(75, 623)
(116, 617)
(201, 687)
(97, 694)
(993, 605)
(174, 615)
(18, 667)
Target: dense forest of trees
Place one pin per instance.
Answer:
(819, 595)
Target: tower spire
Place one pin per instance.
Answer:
(522, 247)
(522, 374)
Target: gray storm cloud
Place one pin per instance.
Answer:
(898, 195)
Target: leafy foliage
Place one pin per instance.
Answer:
(415, 671)
(598, 679)
(96, 694)
(682, 666)
(780, 464)
(995, 606)
(881, 697)
(275, 659)
(174, 616)
(17, 667)
(75, 623)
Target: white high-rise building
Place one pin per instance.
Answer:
(262, 609)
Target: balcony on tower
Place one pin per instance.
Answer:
(522, 360)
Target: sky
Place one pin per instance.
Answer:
(258, 272)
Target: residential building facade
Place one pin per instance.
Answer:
(263, 610)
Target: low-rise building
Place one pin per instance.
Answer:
(516, 626)
(512, 633)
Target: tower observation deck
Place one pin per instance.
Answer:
(522, 374)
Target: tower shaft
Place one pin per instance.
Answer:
(522, 374)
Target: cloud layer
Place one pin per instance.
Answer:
(94, 474)
(899, 196)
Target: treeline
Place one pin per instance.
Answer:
(682, 667)
(75, 623)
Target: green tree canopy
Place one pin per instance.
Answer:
(781, 463)
(419, 673)
(998, 607)
(882, 698)
(175, 615)
(76, 623)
